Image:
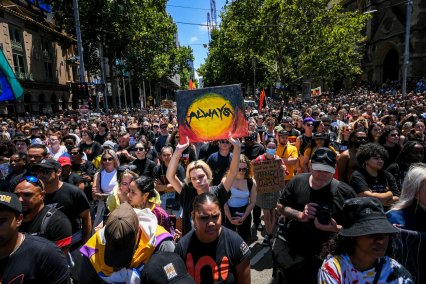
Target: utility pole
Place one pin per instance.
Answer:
(407, 50)
(79, 43)
(254, 77)
(101, 56)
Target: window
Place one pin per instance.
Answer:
(48, 71)
(16, 39)
(46, 49)
(18, 63)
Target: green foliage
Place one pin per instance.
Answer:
(289, 39)
(139, 32)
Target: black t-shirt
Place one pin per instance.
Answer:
(58, 228)
(160, 173)
(206, 150)
(85, 168)
(145, 167)
(187, 196)
(92, 151)
(393, 153)
(219, 165)
(37, 260)
(100, 138)
(71, 201)
(304, 237)
(11, 180)
(74, 179)
(361, 181)
(215, 259)
(254, 151)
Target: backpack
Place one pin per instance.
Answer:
(45, 222)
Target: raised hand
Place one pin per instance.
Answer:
(182, 147)
(234, 142)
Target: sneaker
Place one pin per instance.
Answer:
(260, 227)
(266, 241)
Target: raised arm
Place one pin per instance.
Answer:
(235, 163)
(172, 168)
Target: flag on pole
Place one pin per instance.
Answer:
(261, 99)
(10, 89)
(191, 84)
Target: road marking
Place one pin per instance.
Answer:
(259, 255)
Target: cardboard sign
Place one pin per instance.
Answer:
(269, 176)
(167, 103)
(211, 113)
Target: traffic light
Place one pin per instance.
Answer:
(80, 90)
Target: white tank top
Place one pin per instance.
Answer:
(239, 198)
(108, 181)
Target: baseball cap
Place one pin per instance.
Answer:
(109, 145)
(49, 163)
(121, 230)
(364, 216)
(166, 267)
(11, 201)
(308, 119)
(324, 159)
(283, 133)
(64, 161)
(320, 135)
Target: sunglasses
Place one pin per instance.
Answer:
(127, 167)
(155, 126)
(394, 134)
(224, 142)
(163, 126)
(74, 153)
(140, 149)
(361, 138)
(309, 124)
(34, 180)
(107, 159)
(242, 169)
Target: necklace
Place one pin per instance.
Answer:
(18, 245)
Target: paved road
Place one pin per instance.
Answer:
(261, 260)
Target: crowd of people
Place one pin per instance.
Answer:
(123, 198)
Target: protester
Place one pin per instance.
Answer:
(144, 166)
(348, 162)
(41, 220)
(410, 211)
(117, 253)
(120, 192)
(312, 206)
(213, 245)
(198, 177)
(242, 200)
(361, 252)
(25, 258)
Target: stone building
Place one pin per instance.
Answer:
(384, 53)
(42, 57)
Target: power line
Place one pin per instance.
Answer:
(206, 25)
(186, 7)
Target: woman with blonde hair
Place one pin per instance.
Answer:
(242, 200)
(120, 192)
(198, 178)
(410, 211)
(105, 179)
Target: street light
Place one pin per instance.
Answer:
(406, 50)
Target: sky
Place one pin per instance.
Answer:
(195, 12)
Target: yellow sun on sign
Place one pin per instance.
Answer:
(210, 116)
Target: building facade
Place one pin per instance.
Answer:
(384, 53)
(42, 57)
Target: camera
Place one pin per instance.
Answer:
(323, 214)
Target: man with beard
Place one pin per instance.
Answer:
(311, 205)
(348, 162)
(41, 220)
(25, 258)
(251, 148)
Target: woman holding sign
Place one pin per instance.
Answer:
(268, 201)
(198, 178)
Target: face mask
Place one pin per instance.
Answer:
(271, 151)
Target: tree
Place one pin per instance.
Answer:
(289, 39)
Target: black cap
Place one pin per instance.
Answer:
(166, 267)
(365, 216)
(283, 133)
(320, 135)
(324, 159)
(49, 164)
(11, 201)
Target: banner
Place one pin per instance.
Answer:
(211, 113)
(316, 92)
(261, 99)
(269, 176)
(167, 103)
